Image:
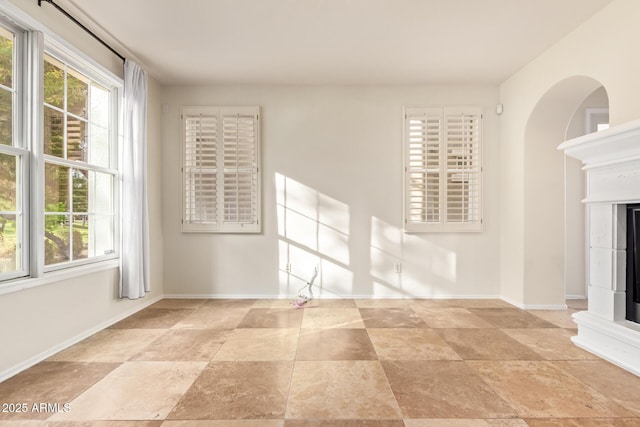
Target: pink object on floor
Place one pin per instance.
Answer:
(299, 302)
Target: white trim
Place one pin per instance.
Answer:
(333, 297)
(224, 296)
(607, 146)
(16, 369)
(536, 306)
(63, 265)
(575, 297)
(57, 276)
(543, 307)
(595, 165)
(611, 200)
(617, 342)
(591, 116)
(35, 134)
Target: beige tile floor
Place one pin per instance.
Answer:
(336, 363)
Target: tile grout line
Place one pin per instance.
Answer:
(293, 367)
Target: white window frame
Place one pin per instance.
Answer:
(28, 127)
(19, 149)
(216, 222)
(64, 55)
(431, 216)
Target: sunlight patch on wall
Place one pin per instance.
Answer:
(409, 264)
(386, 254)
(314, 232)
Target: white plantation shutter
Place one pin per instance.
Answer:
(220, 169)
(240, 168)
(200, 169)
(463, 168)
(443, 170)
(422, 129)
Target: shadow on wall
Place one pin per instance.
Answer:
(546, 197)
(314, 231)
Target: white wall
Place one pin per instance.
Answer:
(332, 181)
(55, 21)
(603, 49)
(544, 185)
(575, 210)
(37, 321)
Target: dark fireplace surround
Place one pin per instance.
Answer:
(633, 263)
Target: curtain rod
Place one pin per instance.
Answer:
(78, 23)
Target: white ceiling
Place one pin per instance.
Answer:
(335, 41)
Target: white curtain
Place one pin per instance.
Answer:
(134, 254)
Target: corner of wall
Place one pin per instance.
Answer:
(154, 184)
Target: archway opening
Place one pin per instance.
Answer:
(555, 261)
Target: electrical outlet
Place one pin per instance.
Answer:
(397, 268)
(287, 268)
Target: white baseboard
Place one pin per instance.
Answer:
(224, 296)
(330, 296)
(617, 342)
(543, 307)
(8, 373)
(535, 306)
(575, 297)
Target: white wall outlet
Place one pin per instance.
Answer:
(287, 268)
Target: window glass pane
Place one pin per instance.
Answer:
(9, 244)
(100, 236)
(100, 193)
(6, 79)
(56, 192)
(80, 232)
(53, 132)
(98, 146)
(99, 113)
(10, 230)
(76, 139)
(53, 82)
(57, 246)
(77, 93)
(79, 179)
(6, 57)
(8, 182)
(6, 117)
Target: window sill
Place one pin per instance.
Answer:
(21, 284)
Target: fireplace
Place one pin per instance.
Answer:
(633, 263)
(610, 328)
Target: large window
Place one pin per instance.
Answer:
(13, 160)
(79, 170)
(443, 170)
(58, 157)
(221, 177)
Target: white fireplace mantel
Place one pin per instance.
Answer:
(611, 159)
(610, 146)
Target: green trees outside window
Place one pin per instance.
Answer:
(9, 163)
(78, 200)
(57, 194)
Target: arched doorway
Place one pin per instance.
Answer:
(552, 211)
